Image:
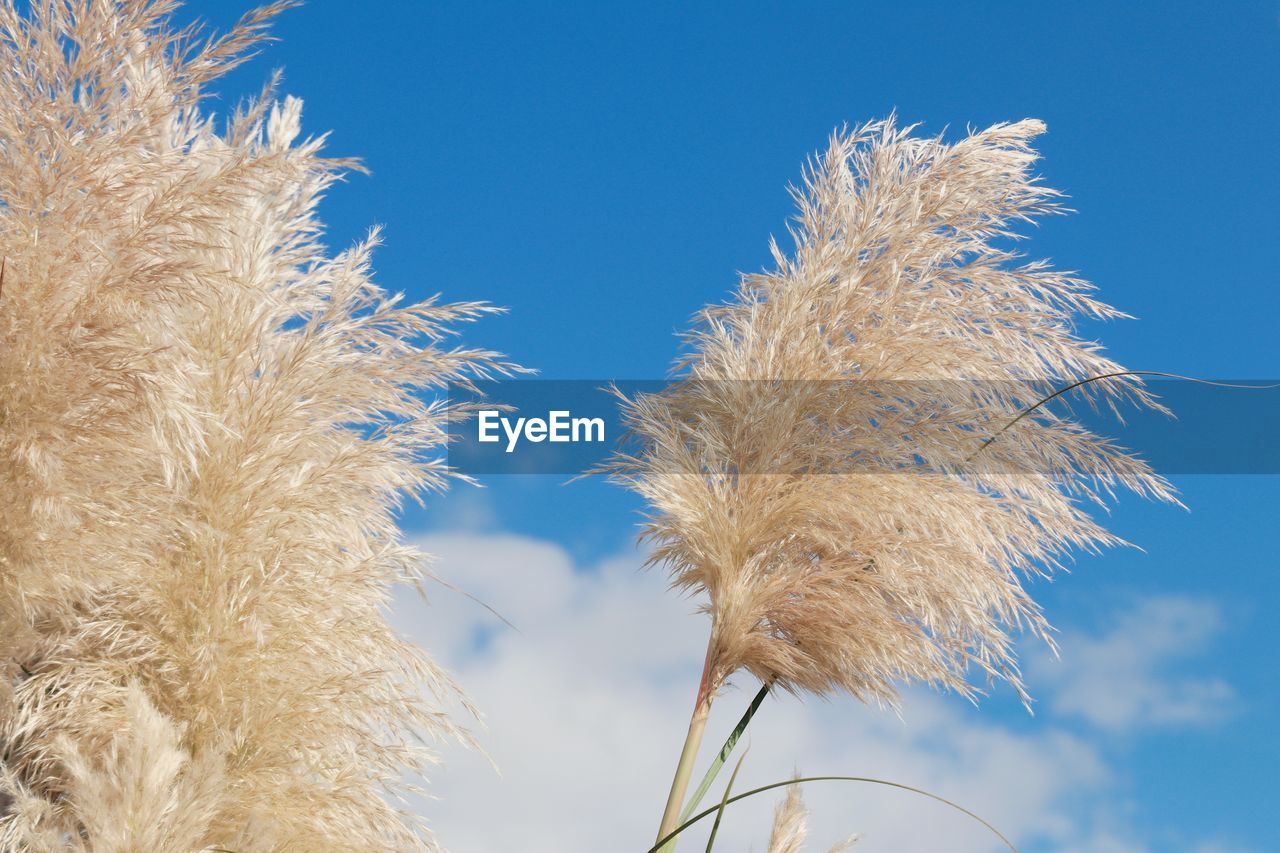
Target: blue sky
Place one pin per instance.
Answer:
(605, 171)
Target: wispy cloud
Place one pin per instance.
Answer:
(583, 703)
(1126, 677)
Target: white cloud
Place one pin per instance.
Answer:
(586, 704)
(1121, 681)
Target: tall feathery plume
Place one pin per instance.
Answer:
(790, 826)
(206, 425)
(790, 823)
(819, 478)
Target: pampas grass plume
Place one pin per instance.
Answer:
(900, 332)
(206, 424)
(790, 826)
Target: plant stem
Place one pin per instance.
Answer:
(688, 755)
(723, 755)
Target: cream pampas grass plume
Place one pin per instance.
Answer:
(206, 423)
(790, 826)
(822, 479)
(790, 823)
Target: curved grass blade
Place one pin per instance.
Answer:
(723, 755)
(715, 827)
(1119, 373)
(691, 821)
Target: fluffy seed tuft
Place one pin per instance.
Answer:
(206, 424)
